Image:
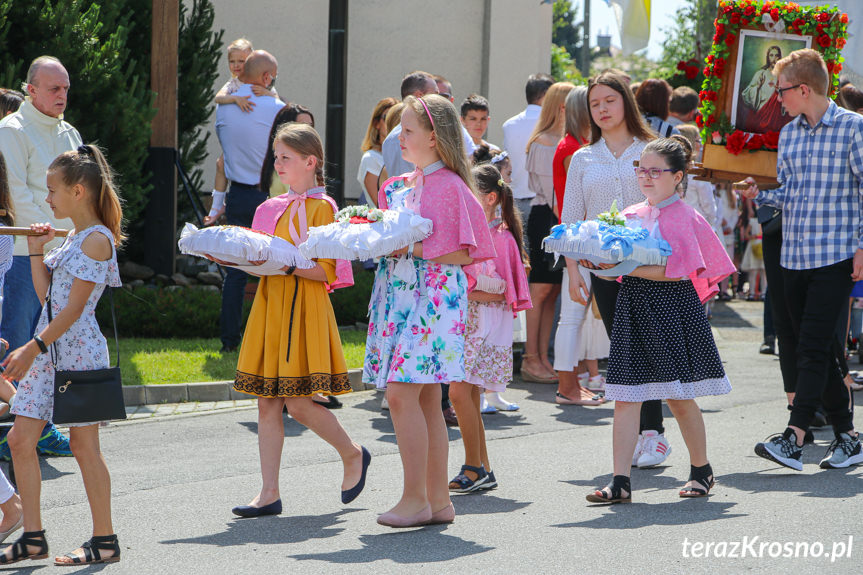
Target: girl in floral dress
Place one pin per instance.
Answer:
(76, 273)
(418, 308)
(500, 291)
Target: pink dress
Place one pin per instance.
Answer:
(418, 308)
(488, 351)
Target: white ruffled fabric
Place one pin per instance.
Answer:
(347, 241)
(490, 284)
(585, 244)
(241, 246)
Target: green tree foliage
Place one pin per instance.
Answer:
(688, 40)
(109, 102)
(200, 54)
(566, 33)
(638, 66)
(563, 67)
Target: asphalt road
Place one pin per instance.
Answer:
(176, 478)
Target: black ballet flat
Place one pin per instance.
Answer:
(274, 508)
(349, 495)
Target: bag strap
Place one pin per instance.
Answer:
(51, 318)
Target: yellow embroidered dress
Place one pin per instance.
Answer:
(291, 347)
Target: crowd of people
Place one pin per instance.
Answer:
(446, 313)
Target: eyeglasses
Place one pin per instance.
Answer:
(654, 173)
(781, 91)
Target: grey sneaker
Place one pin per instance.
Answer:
(845, 451)
(782, 449)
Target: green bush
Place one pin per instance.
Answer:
(148, 311)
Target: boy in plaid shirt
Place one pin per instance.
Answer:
(820, 174)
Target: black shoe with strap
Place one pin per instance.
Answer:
(21, 548)
(703, 476)
(93, 551)
(619, 484)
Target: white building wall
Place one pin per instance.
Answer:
(386, 40)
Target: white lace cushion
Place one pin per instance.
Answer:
(241, 246)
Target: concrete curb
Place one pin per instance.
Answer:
(206, 391)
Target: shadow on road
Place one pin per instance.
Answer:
(292, 428)
(774, 478)
(402, 547)
(484, 504)
(272, 530)
(677, 512)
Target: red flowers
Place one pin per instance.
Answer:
(824, 41)
(691, 72)
(720, 28)
(840, 43)
(774, 13)
(708, 95)
(843, 18)
(730, 39)
(699, 121)
(681, 65)
(755, 142)
(771, 140)
(749, 10)
(823, 17)
(735, 142)
(735, 18)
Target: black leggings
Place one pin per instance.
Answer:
(605, 292)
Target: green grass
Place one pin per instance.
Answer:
(157, 361)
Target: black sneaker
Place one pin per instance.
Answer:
(845, 451)
(782, 449)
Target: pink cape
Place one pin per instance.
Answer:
(509, 267)
(267, 216)
(696, 251)
(457, 217)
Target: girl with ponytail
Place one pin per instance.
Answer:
(71, 279)
(499, 291)
(291, 349)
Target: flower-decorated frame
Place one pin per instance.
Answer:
(729, 153)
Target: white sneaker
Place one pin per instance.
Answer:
(484, 407)
(494, 399)
(654, 450)
(639, 448)
(596, 383)
(384, 405)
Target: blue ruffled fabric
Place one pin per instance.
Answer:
(618, 240)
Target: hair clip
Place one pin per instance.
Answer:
(85, 149)
(500, 157)
(500, 183)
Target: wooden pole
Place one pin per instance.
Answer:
(161, 213)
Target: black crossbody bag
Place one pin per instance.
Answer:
(87, 396)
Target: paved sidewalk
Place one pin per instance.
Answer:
(136, 412)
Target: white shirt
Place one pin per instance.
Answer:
(372, 162)
(392, 152)
(29, 142)
(699, 195)
(516, 133)
(244, 135)
(596, 179)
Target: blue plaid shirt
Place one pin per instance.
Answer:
(820, 173)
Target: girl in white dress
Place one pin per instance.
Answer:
(79, 187)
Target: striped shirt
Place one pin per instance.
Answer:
(820, 193)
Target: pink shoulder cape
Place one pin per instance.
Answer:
(268, 214)
(457, 217)
(696, 251)
(508, 266)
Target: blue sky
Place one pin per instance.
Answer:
(602, 21)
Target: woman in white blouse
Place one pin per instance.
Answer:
(599, 174)
(372, 161)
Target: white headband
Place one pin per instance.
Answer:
(499, 158)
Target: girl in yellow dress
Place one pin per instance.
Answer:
(291, 349)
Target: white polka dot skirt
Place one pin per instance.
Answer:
(661, 345)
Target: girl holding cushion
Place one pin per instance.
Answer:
(661, 343)
(291, 349)
(419, 304)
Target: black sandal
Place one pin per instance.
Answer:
(703, 476)
(92, 551)
(19, 548)
(619, 484)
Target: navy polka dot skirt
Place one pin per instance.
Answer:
(661, 344)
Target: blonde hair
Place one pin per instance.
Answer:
(240, 45)
(87, 166)
(373, 137)
(691, 133)
(394, 116)
(554, 99)
(304, 140)
(447, 131)
(804, 67)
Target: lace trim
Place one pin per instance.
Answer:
(331, 384)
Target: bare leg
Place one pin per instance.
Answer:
(271, 437)
(84, 442)
(691, 423)
(532, 347)
(325, 424)
(413, 440)
(23, 438)
(437, 483)
(12, 512)
(461, 393)
(627, 416)
(547, 325)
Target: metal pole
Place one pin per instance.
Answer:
(585, 42)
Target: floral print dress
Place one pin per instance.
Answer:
(82, 347)
(417, 315)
